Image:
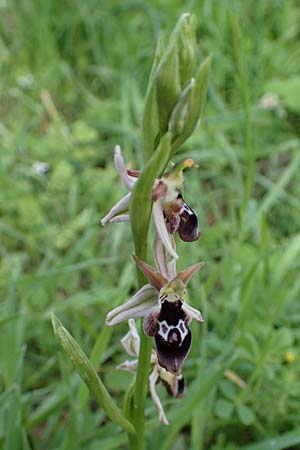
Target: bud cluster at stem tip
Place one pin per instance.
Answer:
(177, 89)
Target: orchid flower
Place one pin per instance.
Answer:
(170, 212)
(174, 384)
(166, 314)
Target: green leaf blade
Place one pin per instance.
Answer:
(89, 375)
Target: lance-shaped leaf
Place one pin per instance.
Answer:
(196, 104)
(89, 375)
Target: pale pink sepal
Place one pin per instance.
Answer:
(155, 278)
(120, 218)
(120, 207)
(128, 180)
(130, 366)
(140, 305)
(186, 274)
(131, 340)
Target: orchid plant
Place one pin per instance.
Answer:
(173, 109)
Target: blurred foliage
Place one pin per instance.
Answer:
(73, 79)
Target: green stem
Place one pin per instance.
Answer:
(141, 389)
(140, 213)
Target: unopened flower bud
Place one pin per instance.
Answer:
(187, 47)
(180, 113)
(195, 98)
(167, 85)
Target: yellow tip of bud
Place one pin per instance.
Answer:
(188, 163)
(289, 356)
(179, 168)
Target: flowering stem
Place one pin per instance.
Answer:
(140, 212)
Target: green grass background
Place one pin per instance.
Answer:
(73, 75)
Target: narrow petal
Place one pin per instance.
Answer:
(134, 173)
(141, 304)
(166, 266)
(192, 313)
(156, 400)
(159, 191)
(128, 180)
(131, 340)
(120, 207)
(150, 322)
(156, 279)
(186, 274)
(162, 230)
(120, 218)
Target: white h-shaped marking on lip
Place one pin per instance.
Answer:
(181, 327)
